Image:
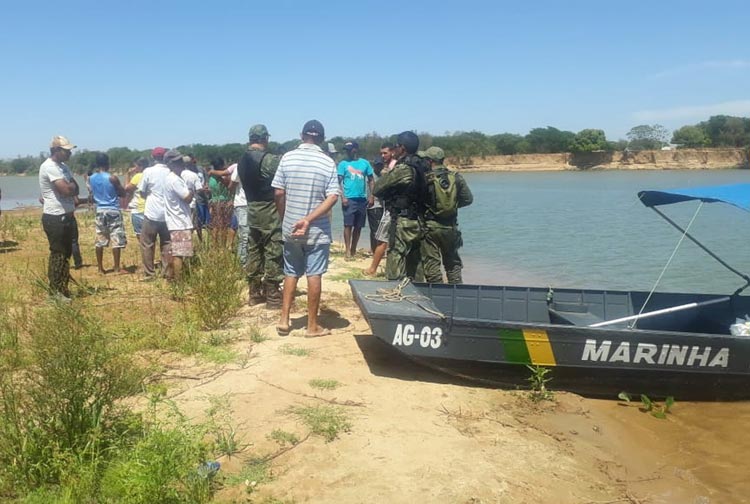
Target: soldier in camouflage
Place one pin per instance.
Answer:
(403, 191)
(442, 236)
(265, 247)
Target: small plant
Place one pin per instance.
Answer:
(255, 472)
(283, 438)
(215, 283)
(538, 384)
(657, 410)
(256, 335)
(288, 349)
(220, 424)
(321, 384)
(325, 421)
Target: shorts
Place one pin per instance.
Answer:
(302, 259)
(355, 213)
(383, 232)
(136, 219)
(181, 243)
(110, 228)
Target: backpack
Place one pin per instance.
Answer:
(442, 194)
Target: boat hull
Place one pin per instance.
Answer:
(533, 326)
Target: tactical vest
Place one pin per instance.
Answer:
(255, 187)
(412, 202)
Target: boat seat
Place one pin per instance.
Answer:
(572, 314)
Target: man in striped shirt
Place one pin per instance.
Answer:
(306, 188)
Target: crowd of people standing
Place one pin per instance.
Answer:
(277, 209)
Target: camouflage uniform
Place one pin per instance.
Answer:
(401, 190)
(265, 246)
(442, 237)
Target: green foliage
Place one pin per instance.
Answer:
(727, 131)
(509, 143)
(283, 438)
(221, 426)
(288, 349)
(657, 410)
(719, 131)
(645, 137)
(690, 136)
(538, 384)
(255, 472)
(164, 466)
(14, 228)
(549, 139)
(61, 410)
(325, 421)
(256, 335)
(215, 282)
(322, 384)
(589, 140)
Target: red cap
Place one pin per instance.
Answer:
(158, 152)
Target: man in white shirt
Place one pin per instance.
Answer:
(59, 190)
(177, 198)
(194, 184)
(151, 187)
(240, 214)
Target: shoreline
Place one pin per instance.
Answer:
(682, 159)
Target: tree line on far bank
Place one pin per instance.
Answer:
(717, 131)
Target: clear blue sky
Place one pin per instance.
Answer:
(137, 74)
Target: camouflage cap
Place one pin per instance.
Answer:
(421, 153)
(434, 153)
(258, 131)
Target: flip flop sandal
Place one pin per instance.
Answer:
(283, 331)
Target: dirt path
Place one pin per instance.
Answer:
(418, 435)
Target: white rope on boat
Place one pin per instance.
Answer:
(396, 295)
(666, 266)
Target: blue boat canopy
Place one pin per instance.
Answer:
(735, 194)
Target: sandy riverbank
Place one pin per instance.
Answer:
(416, 434)
(682, 159)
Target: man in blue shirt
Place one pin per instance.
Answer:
(107, 190)
(355, 184)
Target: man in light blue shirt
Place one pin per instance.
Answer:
(355, 183)
(107, 190)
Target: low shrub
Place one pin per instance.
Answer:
(215, 281)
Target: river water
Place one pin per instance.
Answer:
(576, 229)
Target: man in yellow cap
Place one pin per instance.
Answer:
(59, 191)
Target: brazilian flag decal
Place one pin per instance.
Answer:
(527, 346)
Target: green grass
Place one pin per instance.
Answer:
(323, 420)
(256, 335)
(283, 438)
(348, 274)
(254, 472)
(323, 384)
(288, 349)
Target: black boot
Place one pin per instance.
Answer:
(256, 295)
(273, 295)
